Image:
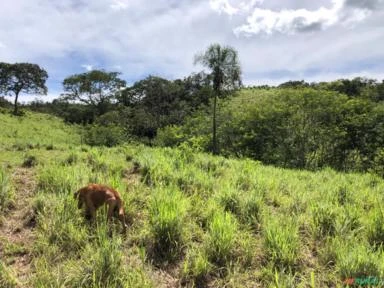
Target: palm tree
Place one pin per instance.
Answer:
(225, 74)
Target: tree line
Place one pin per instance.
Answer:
(338, 124)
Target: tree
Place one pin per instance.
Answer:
(155, 102)
(225, 74)
(95, 88)
(22, 78)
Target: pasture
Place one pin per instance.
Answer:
(195, 220)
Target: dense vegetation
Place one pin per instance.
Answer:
(195, 219)
(298, 125)
(297, 128)
(338, 124)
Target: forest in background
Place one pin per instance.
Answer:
(338, 124)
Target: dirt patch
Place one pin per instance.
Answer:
(16, 232)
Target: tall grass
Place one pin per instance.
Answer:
(7, 277)
(6, 191)
(282, 243)
(167, 212)
(222, 231)
(211, 221)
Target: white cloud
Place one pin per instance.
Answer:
(87, 67)
(223, 6)
(119, 5)
(290, 21)
(142, 37)
(2, 45)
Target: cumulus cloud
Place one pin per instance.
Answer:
(87, 67)
(290, 21)
(142, 37)
(119, 5)
(233, 7)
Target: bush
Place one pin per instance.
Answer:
(29, 161)
(104, 135)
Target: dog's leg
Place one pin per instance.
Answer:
(121, 215)
(111, 208)
(91, 208)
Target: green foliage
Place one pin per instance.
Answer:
(95, 88)
(299, 128)
(108, 136)
(154, 102)
(22, 78)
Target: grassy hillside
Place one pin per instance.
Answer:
(195, 220)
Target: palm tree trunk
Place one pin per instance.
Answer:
(214, 132)
(15, 110)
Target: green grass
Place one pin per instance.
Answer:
(167, 213)
(7, 277)
(6, 191)
(194, 218)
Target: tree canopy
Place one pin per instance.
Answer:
(95, 88)
(22, 78)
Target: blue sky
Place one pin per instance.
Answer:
(276, 40)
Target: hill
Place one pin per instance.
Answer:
(194, 219)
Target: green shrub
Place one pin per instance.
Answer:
(29, 161)
(104, 135)
(169, 136)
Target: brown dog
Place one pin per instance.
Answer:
(96, 195)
